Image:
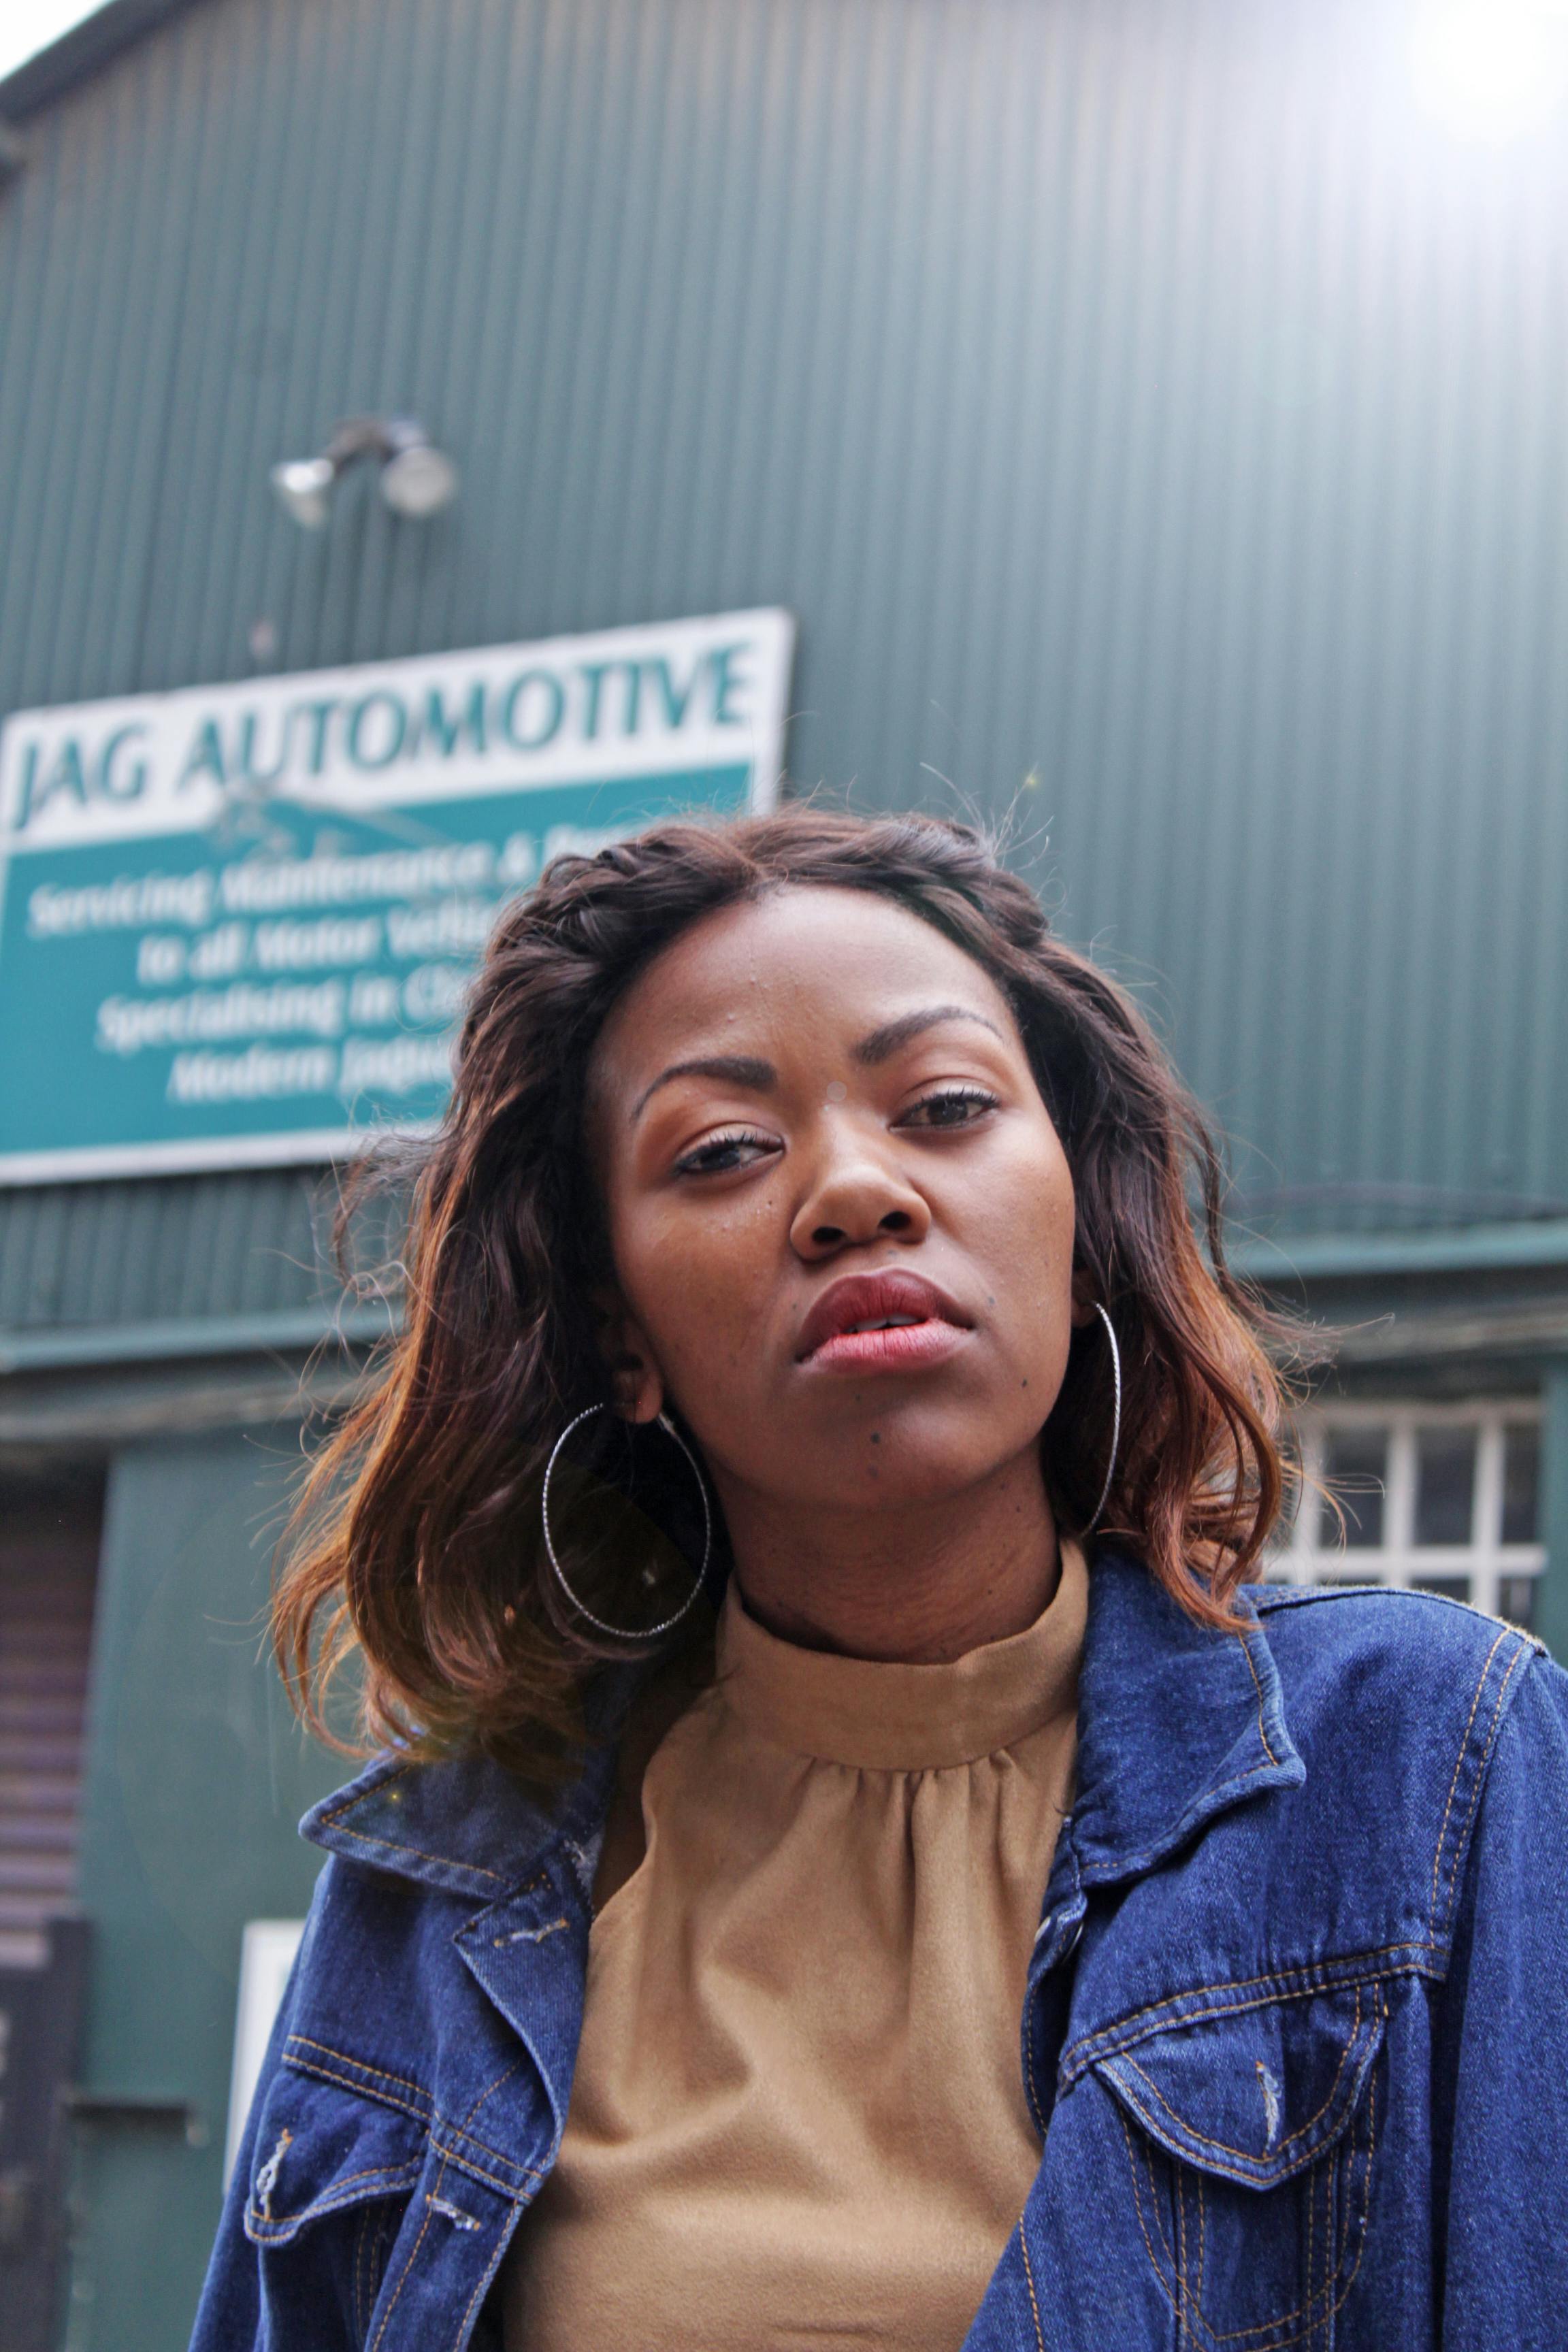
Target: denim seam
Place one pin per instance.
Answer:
(1202, 2239)
(1183, 2298)
(1030, 2280)
(1458, 1767)
(504, 2239)
(1257, 1685)
(509, 2189)
(1304, 2310)
(1242, 2154)
(1124, 1865)
(362, 2314)
(1110, 2041)
(408, 2266)
(265, 2233)
(1138, 2205)
(401, 1845)
(360, 2066)
(1463, 1839)
(448, 2138)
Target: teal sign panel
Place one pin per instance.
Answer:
(238, 923)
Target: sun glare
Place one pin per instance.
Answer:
(1491, 70)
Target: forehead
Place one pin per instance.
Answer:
(803, 966)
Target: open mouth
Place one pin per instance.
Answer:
(892, 1321)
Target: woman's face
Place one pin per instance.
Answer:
(840, 1217)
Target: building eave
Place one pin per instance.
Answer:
(81, 52)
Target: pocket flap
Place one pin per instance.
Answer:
(319, 2149)
(1254, 2093)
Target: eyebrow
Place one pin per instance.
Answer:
(749, 1070)
(739, 1069)
(883, 1043)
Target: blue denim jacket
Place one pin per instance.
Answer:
(1295, 2032)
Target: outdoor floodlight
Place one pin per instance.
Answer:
(417, 479)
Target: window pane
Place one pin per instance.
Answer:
(1355, 1462)
(1521, 1485)
(1445, 1484)
(1516, 1599)
(1452, 1588)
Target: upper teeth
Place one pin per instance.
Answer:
(889, 1323)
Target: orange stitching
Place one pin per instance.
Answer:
(379, 2073)
(476, 2171)
(1138, 2205)
(1311, 2234)
(408, 2266)
(1124, 1865)
(502, 2242)
(401, 1845)
(1029, 2277)
(1257, 1685)
(506, 2073)
(1183, 2330)
(441, 2128)
(1514, 1663)
(320, 2205)
(1245, 2155)
(1270, 2328)
(1318, 1972)
(1458, 1766)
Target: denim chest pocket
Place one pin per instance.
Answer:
(1250, 2137)
(318, 2153)
(330, 2174)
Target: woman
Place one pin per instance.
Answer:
(993, 1926)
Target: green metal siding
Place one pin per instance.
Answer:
(184, 1249)
(195, 1779)
(1144, 416)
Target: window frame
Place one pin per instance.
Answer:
(1306, 1557)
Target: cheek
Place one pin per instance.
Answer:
(1029, 1220)
(698, 1287)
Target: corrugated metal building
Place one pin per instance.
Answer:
(1153, 419)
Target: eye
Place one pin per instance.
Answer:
(719, 1155)
(951, 1106)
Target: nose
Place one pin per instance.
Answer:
(856, 1197)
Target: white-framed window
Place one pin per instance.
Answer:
(1446, 1498)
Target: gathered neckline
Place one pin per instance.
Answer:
(878, 1716)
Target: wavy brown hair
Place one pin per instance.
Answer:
(416, 1543)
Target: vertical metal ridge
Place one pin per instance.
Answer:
(1150, 425)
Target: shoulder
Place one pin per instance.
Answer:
(1399, 1703)
(1401, 1657)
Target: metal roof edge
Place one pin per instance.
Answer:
(61, 1350)
(1466, 1249)
(87, 47)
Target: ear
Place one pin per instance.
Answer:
(636, 1383)
(1083, 1297)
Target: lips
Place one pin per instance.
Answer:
(894, 1320)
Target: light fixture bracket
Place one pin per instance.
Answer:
(416, 479)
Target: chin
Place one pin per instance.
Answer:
(896, 1459)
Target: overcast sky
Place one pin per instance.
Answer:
(29, 25)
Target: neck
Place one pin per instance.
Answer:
(917, 1587)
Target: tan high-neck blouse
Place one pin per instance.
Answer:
(798, 2115)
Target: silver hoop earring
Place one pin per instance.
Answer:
(1116, 1418)
(621, 1633)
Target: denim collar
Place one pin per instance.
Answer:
(464, 1823)
(1177, 1722)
